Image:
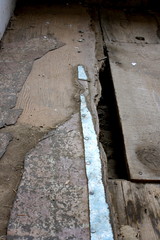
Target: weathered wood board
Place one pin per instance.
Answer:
(137, 89)
(135, 72)
(135, 210)
(130, 27)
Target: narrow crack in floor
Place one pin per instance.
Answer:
(110, 128)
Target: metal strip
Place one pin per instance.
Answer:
(81, 73)
(99, 212)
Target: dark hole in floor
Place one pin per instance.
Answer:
(110, 128)
(140, 38)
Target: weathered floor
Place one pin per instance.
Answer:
(40, 91)
(132, 42)
(41, 129)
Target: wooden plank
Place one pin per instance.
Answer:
(136, 208)
(129, 26)
(135, 71)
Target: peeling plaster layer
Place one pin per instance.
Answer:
(99, 212)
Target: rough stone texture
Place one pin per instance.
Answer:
(49, 96)
(5, 138)
(11, 166)
(7, 99)
(9, 116)
(52, 198)
(18, 52)
(13, 115)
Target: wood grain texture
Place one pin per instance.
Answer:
(135, 210)
(49, 95)
(129, 26)
(20, 46)
(135, 72)
(137, 90)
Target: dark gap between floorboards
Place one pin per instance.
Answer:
(111, 135)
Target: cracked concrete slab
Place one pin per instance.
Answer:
(52, 198)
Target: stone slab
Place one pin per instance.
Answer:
(52, 200)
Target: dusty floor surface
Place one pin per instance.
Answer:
(43, 184)
(132, 41)
(40, 53)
